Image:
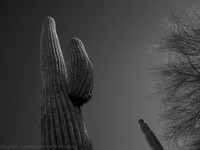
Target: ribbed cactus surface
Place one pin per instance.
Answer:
(150, 136)
(80, 72)
(62, 125)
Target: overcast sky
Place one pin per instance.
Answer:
(117, 35)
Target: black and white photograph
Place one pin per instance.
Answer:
(100, 75)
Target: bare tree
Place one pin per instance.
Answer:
(179, 77)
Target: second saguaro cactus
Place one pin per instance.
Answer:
(62, 125)
(150, 136)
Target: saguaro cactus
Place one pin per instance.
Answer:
(62, 125)
(150, 136)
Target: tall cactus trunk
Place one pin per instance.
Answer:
(61, 123)
(150, 136)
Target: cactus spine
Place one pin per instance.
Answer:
(61, 123)
(150, 136)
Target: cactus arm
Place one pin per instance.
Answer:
(80, 72)
(150, 136)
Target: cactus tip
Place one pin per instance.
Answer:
(141, 121)
(75, 40)
(48, 22)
